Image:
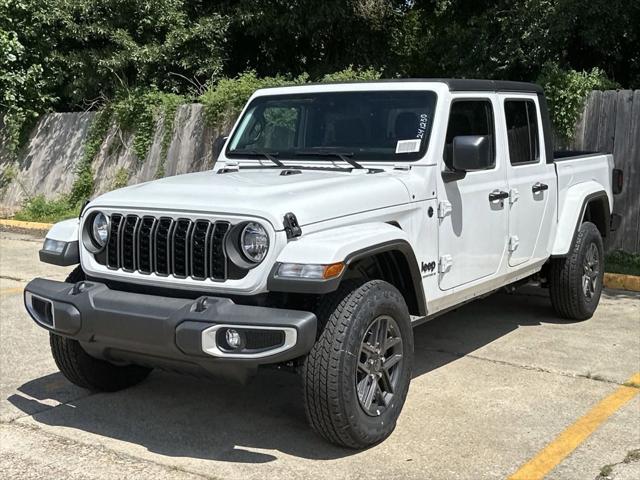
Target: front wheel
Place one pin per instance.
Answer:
(85, 371)
(357, 375)
(575, 282)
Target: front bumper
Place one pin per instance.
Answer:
(172, 333)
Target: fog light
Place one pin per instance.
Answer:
(233, 338)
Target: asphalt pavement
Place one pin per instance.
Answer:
(501, 387)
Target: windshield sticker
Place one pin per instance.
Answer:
(422, 127)
(408, 146)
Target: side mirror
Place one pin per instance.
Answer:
(472, 152)
(218, 145)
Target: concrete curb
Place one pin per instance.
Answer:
(622, 282)
(26, 227)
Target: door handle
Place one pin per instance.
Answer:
(539, 187)
(498, 195)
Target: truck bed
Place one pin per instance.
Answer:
(579, 167)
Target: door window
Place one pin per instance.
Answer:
(522, 131)
(469, 117)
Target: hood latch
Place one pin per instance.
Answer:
(291, 226)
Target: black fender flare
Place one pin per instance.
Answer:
(315, 286)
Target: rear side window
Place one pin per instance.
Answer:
(522, 131)
(469, 117)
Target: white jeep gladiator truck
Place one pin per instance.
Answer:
(336, 218)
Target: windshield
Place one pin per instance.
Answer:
(381, 126)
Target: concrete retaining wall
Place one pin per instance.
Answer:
(56, 146)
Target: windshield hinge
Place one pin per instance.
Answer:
(291, 226)
(230, 166)
(444, 209)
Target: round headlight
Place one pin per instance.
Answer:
(100, 229)
(254, 242)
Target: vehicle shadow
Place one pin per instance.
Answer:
(181, 416)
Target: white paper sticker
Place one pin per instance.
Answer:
(408, 146)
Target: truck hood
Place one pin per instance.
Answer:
(312, 195)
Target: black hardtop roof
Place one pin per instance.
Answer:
(454, 84)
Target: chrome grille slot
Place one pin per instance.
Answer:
(166, 246)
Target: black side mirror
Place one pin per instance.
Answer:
(218, 145)
(472, 152)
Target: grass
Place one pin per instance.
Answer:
(623, 262)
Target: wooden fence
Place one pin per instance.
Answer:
(610, 123)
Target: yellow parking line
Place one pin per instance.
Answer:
(11, 291)
(568, 441)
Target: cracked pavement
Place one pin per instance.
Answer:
(494, 382)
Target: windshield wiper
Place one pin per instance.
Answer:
(271, 156)
(344, 156)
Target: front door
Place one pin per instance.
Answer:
(472, 209)
(531, 179)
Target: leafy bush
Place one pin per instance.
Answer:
(137, 111)
(567, 91)
(623, 262)
(350, 74)
(21, 93)
(39, 209)
(122, 178)
(224, 100)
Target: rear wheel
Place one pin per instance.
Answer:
(575, 282)
(88, 372)
(357, 375)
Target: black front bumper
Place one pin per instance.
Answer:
(165, 332)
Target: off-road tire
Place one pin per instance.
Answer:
(88, 372)
(566, 276)
(330, 397)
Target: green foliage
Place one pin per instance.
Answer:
(567, 91)
(350, 74)
(623, 262)
(39, 209)
(137, 111)
(82, 187)
(122, 178)
(22, 92)
(8, 174)
(224, 100)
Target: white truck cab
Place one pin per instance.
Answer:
(336, 218)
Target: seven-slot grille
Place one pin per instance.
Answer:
(166, 246)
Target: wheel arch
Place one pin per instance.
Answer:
(383, 245)
(396, 264)
(586, 204)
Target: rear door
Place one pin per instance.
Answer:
(531, 179)
(472, 217)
